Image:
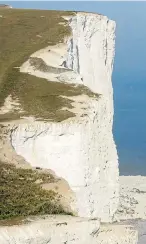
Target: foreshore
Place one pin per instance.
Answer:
(132, 207)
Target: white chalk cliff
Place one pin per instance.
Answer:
(81, 149)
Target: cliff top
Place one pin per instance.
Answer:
(23, 32)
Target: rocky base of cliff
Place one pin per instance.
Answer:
(132, 198)
(65, 229)
(140, 226)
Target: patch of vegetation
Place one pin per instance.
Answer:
(40, 65)
(41, 98)
(21, 193)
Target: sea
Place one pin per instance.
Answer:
(129, 83)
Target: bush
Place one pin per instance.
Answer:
(21, 195)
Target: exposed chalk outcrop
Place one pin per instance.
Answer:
(117, 234)
(67, 230)
(52, 230)
(81, 150)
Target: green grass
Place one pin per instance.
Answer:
(41, 98)
(20, 195)
(20, 30)
(19, 38)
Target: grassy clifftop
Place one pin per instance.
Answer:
(26, 31)
(22, 33)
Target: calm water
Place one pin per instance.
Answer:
(129, 77)
(130, 125)
(129, 81)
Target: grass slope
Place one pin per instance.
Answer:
(22, 33)
(21, 193)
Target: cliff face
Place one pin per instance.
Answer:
(80, 149)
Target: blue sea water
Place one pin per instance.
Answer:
(129, 82)
(129, 75)
(130, 125)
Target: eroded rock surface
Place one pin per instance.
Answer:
(67, 230)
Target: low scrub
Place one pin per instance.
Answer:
(21, 193)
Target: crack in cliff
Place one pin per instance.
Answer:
(106, 44)
(78, 60)
(13, 129)
(34, 136)
(84, 24)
